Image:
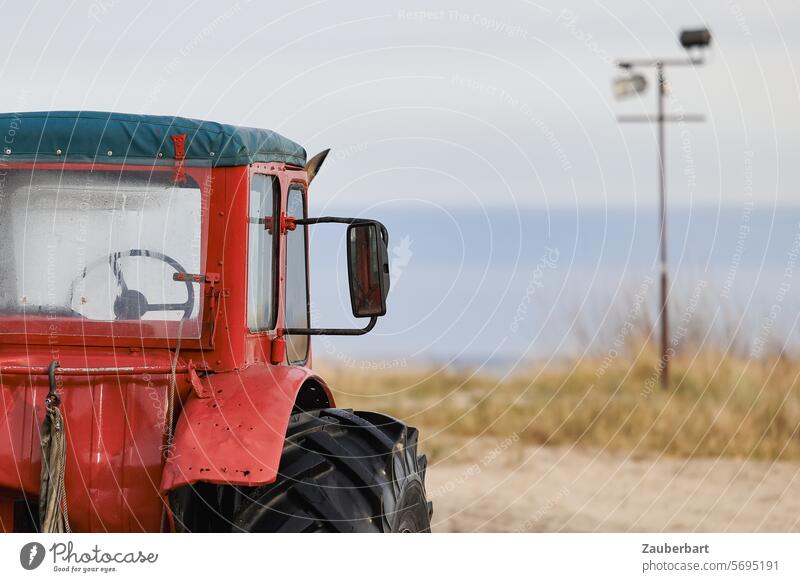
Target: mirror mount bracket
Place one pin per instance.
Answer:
(285, 222)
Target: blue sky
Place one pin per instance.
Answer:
(450, 105)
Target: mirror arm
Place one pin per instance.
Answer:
(324, 330)
(330, 331)
(340, 220)
(332, 219)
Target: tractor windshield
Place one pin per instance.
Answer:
(96, 253)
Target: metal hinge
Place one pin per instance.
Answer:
(192, 377)
(202, 278)
(287, 223)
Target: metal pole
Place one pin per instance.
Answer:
(662, 187)
(662, 118)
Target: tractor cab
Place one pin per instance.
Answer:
(154, 320)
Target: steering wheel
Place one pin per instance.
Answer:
(130, 303)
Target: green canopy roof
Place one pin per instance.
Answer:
(112, 138)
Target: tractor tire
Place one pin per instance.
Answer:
(341, 471)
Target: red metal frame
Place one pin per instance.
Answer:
(234, 397)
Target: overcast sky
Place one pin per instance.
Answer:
(470, 104)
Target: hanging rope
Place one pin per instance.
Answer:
(53, 515)
(173, 381)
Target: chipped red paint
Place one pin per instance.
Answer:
(114, 389)
(179, 142)
(235, 436)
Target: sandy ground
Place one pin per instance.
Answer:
(502, 486)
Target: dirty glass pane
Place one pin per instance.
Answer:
(100, 247)
(296, 281)
(260, 286)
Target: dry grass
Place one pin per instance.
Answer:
(718, 405)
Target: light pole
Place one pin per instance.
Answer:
(633, 83)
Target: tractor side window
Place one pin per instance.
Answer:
(297, 315)
(264, 194)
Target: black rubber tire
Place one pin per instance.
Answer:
(341, 471)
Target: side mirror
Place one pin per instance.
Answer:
(368, 268)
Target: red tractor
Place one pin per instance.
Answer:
(155, 357)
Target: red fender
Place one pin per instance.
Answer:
(235, 436)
